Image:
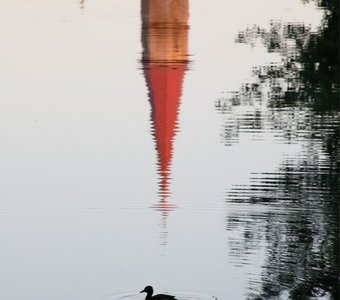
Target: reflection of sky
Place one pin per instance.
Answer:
(78, 162)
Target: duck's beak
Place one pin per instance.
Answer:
(142, 291)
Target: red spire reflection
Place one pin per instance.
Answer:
(165, 85)
(165, 59)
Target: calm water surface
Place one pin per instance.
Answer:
(190, 145)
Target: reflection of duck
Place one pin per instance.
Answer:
(149, 291)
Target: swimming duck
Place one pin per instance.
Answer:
(149, 291)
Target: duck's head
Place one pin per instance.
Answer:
(148, 289)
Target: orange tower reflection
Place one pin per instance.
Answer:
(165, 59)
(82, 4)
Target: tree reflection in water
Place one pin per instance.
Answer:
(292, 213)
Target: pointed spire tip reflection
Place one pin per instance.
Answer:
(164, 63)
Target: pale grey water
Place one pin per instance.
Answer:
(252, 205)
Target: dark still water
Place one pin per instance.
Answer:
(188, 145)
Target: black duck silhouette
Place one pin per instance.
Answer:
(149, 291)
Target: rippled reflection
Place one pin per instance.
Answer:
(254, 174)
(165, 59)
(290, 216)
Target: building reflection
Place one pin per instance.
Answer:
(165, 60)
(82, 4)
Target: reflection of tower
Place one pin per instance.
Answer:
(165, 60)
(82, 4)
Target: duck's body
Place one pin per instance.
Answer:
(149, 292)
(160, 297)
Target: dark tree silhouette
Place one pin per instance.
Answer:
(294, 211)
